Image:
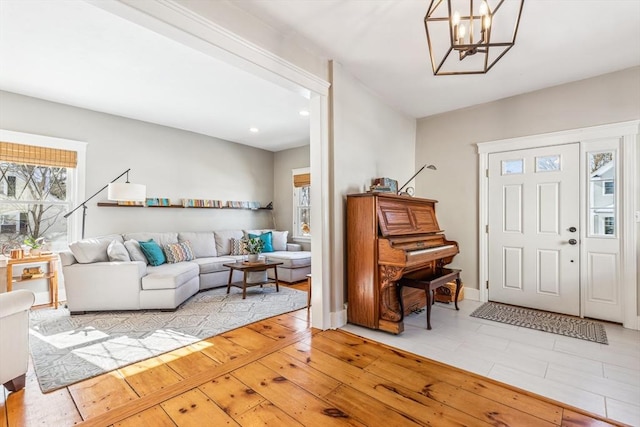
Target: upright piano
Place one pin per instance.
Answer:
(390, 237)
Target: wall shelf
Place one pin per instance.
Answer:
(115, 205)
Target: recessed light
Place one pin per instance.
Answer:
(254, 130)
(304, 113)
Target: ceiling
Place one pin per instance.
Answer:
(383, 44)
(74, 53)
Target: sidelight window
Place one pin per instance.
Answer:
(602, 197)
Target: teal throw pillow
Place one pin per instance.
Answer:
(266, 238)
(153, 252)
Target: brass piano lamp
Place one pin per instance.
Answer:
(410, 190)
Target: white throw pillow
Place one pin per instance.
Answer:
(90, 250)
(117, 252)
(279, 240)
(136, 254)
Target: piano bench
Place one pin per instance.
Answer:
(429, 284)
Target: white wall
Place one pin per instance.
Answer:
(172, 163)
(370, 140)
(283, 162)
(448, 140)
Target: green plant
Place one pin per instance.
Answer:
(34, 243)
(253, 245)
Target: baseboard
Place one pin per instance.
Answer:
(472, 294)
(633, 325)
(338, 319)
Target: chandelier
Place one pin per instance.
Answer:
(469, 37)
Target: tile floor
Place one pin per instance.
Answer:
(602, 379)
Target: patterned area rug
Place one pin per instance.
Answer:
(66, 349)
(569, 326)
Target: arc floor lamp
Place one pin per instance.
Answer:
(118, 191)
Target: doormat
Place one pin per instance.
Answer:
(69, 348)
(561, 324)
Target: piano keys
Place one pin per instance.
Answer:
(390, 237)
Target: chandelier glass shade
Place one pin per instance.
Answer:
(470, 36)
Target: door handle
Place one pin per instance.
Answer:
(573, 242)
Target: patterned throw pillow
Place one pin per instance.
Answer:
(236, 246)
(178, 252)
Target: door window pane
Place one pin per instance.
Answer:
(609, 225)
(548, 163)
(510, 167)
(602, 199)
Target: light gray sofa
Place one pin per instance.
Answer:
(111, 272)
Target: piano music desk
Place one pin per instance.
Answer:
(429, 285)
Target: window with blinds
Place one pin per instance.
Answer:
(302, 180)
(301, 204)
(33, 192)
(34, 155)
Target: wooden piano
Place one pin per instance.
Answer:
(390, 237)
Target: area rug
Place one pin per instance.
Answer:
(569, 326)
(66, 349)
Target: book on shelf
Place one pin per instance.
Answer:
(202, 203)
(243, 204)
(158, 201)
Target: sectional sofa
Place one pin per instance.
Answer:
(114, 273)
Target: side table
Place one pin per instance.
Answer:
(51, 276)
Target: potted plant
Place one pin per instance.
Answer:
(253, 247)
(35, 244)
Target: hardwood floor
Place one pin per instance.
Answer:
(282, 372)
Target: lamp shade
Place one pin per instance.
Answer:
(127, 192)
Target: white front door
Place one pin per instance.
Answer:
(533, 235)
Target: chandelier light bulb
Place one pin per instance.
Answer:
(455, 20)
(486, 22)
(462, 33)
(484, 8)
